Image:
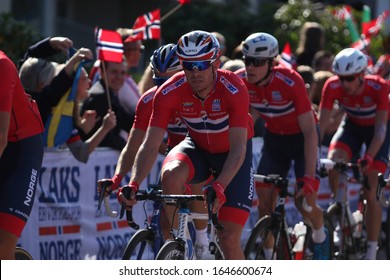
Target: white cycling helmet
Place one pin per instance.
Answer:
(260, 45)
(349, 61)
(198, 46)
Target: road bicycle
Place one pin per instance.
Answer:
(182, 245)
(147, 243)
(350, 238)
(22, 254)
(383, 195)
(287, 244)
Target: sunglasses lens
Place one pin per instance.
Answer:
(199, 65)
(256, 62)
(347, 78)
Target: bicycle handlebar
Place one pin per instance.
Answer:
(342, 167)
(283, 183)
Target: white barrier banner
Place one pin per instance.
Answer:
(66, 225)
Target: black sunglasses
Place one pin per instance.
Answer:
(347, 78)
(256, 62)
(199, 65)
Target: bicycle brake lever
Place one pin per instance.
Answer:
(126, 190)
(104, 184)
(129, 218)
(213, 217)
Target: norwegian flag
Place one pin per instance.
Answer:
(146, 27)
(109, 46)
(373, 27)
(287, 59)
(343, 13)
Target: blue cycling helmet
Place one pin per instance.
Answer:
(165, 60)
(198, 46)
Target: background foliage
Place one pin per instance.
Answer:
(229, 17)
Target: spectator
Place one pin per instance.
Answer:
(307, 74)
(39, 76)
(322, 61)
(98, 100)
(320, 77)
(129, 93)
(233, 65)
(43, 77)
(311, 40)
(21, 153)
(222, 43)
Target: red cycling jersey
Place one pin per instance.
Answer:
(25, 118)
(281, 101)
(176, 128)
(361, 108)
(208, 121)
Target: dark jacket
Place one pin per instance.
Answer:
(97, 100)
(51, 94)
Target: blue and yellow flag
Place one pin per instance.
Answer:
(60, 124)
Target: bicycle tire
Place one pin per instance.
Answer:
(22, 254)
(387, 233)
(334, 213)
(255, 244)
(140, 246)
(172, 250)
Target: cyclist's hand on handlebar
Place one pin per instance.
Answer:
(366, 162)
(115, 182)
(129, 201)
(310, 185)
(220, 195)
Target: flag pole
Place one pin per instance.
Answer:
(170, 12)
(106, 84)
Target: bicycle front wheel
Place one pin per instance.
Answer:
(344, 245)
(172, 250)
(254, 248)
(140, 246)
(22, 254)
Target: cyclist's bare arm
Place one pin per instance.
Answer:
(324, 117)
(147, 154)
(379, 132)
(126, 158)
(308, 127)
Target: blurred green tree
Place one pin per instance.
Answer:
(16, 37)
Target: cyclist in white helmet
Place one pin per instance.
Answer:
(365, 99)
(214, 106)
(279, 96)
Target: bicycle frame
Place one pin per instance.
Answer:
(278, 222)
(341, 208)
(184, 239)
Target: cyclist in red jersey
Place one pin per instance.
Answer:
(213, 104)
(278, 95)
(365, 99)
(21, 153)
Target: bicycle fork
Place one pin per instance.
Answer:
(184, 233)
